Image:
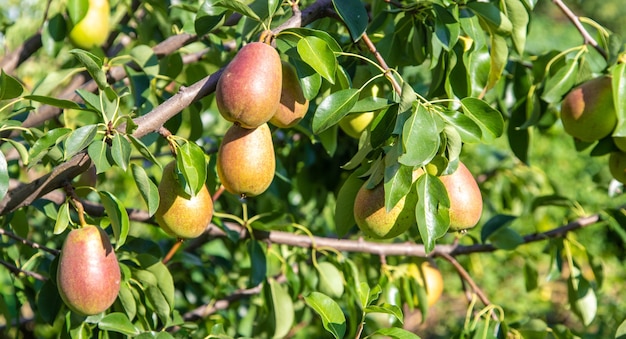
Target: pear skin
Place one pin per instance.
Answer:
(93, 29)
(617, 166)
(88, 274)
(354, 124)
(245, 160)
(248, 91)
(180, 214)
(372, 217)
(466, 203)
(293, 105)
(587, 112)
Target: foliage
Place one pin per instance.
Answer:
(453, 81)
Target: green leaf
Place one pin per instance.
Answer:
(330, 280)
(93, 64)
(582, 297)
(447, 27)
(147, 188)
(516, 12)
(344, 217)
(146, 59)
(317, 54)
(397, 179)
(621, 331)
(494, 224)
(164, 280)
(506, 238)
(118, 322)
(143, 149)
(354, 15)
(117, 215)
(387, 309)
(48, 302)
(258, 263)
(63, 218)
(159, 303)
(239, 7)
(499, 54)
(383, 125)
(397, 333)
(66, 104)
(619, 98)
(126, 298)
(492, 16)
(98, 152)
(561, 82)
(190, 161)
(531, 276)
(120, 151)
(43, 144)
(486, 117)
(77, 9)
(333, 108)
(420, 138)
(293, 35)
(333, 319)
(282, 309)
(10, 88)
(79, 139)
(209, 16)
(4, 176)
(470, 131)
(433, 210)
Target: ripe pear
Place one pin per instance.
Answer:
(293, 105)
(88, 274)
(428, 272)
(248, 91)
(587, 112)
(180, 214)
(466, 203)
(245, 160)
(372, 217)
(93, 29)
(354, 124)
(617, 166)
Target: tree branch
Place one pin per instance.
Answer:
(17, 271)
(587, 38)
(27, 242)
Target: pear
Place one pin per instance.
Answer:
(88, 274)
(93, 29)
(372, 217)
(246, 161)
(293, 105)
(427, 274)
(354, 124)
(180, 214)
(466, 203)
(617, 166)
(587, 112)
(248, 91)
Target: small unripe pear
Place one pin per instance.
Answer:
(245, 160)
(587, 112)
(293, 105)
(93, 29)
(372, 217)
(248, 91)
(354, 124)
(88, 274)
(617, 166)
(180, 214)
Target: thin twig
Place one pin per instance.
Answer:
(587, 38)
(381, 61)
(27, 242)
(172, 251)
(17, 271)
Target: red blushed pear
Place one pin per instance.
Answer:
(248, 91)
(88, 274)
(587, 112)
(180, 214)
(293, 105)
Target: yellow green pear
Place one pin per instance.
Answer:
(355, 123)
(93, 29)
(617, 166)
(180, 214)
(587, 111)
(372, 217)
(245, 160)
(249, 89)
(427, 275)
(88, 274)
(293, 105)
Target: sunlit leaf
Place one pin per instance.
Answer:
(118, 322)
(117, 215)
(492, 16)
(394, 310)
(93, 64)
(315, 52)
(333, 108)
(489, 120)
(63, 218)
(9, 87)
(433, 209)
(330, 279)
(147, 188)
(282, 309)
(4, 176)
(79, 139)
(619, 98)
(516, 12)
(190, 161)
(397, 333)
(420, 138)
(120, 151)
(333, 319)
(561, 82)
(239, 7)
(98, 151)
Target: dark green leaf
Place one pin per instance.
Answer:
(118, 322)
(354, 15)
(98, 152)
(344, 217)
(43, 144)
(492, 16)
(79, 139)
(143, 149)
(208, 17)
(494, 224)
(93, 64)
(67, 104)
(488, 119)
(333, 108)
(470, 131)
(126, 298)
(333, 319)
(447, 27)
(48, 302)
(239, 7)
(397, 179)
(120, 151)
(159, 303)
(420, 138)
(117, 215)
(10, 88)
(146, 59)
(258, 263)
(317, 54)
(531, 276)
(147, 188)
(383, 125)
(499, 53)
(433, 209)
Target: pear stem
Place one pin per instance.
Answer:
(80, 210)
(172, 251)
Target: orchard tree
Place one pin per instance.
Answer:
(328, 168)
